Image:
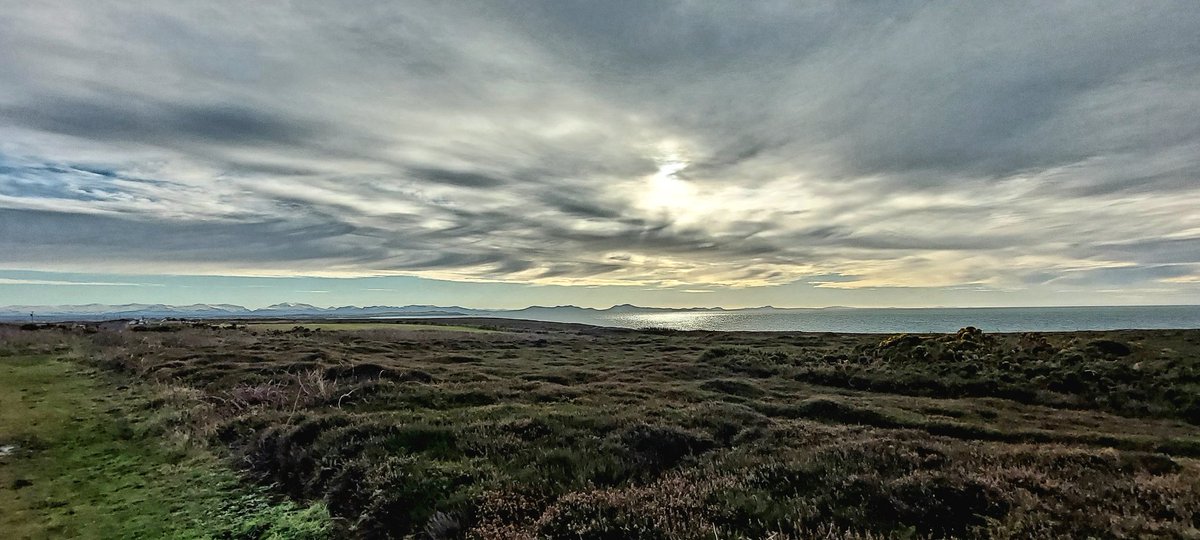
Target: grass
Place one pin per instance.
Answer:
(347, 326)
(87, 460)
(547, 431)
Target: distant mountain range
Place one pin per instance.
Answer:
(92, 312)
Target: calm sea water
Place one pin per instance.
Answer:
(913, 320)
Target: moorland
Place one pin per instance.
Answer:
(484, 428)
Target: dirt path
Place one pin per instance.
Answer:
(81, 458)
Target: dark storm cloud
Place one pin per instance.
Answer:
(36, 235)
(902, 143)
(579, 270)
(578, 205)
(159, 123)
(457, 178)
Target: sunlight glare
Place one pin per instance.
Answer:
(665, 191)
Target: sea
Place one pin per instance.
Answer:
(896, 320)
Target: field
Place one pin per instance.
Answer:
(342, 326)
(80, 460)
(537, 430)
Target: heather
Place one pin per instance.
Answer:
(537, 430)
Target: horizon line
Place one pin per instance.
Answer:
(561, 306)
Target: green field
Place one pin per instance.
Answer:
(84, 458)
(345, 326)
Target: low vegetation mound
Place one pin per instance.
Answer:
(1123, 377)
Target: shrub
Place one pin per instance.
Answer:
(657, 448)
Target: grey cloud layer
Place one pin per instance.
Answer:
(1002, 145)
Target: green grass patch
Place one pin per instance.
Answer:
(83, 459)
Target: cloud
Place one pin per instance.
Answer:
(664, 144)
(158, 124)
(52, 282)
(457, 178)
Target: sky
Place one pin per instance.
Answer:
(676, 153)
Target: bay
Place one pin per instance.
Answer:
(895, 320)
